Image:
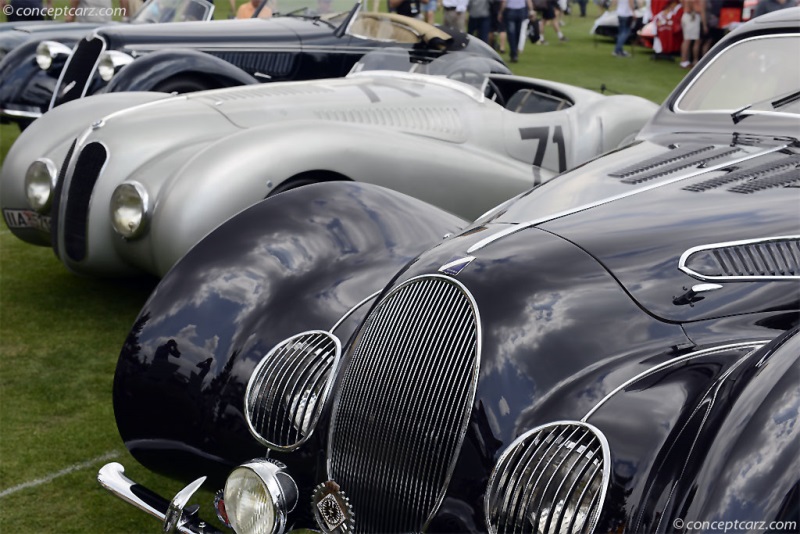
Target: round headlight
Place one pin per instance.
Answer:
(552, 479)
(47, 51)
(110, 62)
(258, 496)
(40, 181)
(130, 209)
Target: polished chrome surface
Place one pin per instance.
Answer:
(288, 389)
(77, 74)
(112, 478)
(74, 206)
(174, 517)
(552, 479)
(404, 402)
(352, 310)
(770, 258)
(280, 489)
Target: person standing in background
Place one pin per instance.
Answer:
(408, 8)
(513, 13)
(497, 32)
(455, 14)
(89, 11)
(690, 28)
(429, 11)
(625, 10)
(478, 23)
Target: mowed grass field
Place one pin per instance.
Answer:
(60, 336)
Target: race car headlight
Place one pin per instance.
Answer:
(48, 51)
(110, 62)
(40, 181)
(130, 209)
(551, 479)
(258, 497)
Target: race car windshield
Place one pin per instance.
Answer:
(755, 71)
(470, 70)
(157, 11)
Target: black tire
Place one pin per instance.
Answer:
(182, 84)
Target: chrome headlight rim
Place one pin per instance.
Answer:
(279, 486)
(320, 402)
(130, 228)
(501, 469)
(33, 178)
(110, 62)
(48, 51)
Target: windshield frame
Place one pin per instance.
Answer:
(726, 111)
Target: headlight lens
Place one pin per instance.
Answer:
(552, 479)
(130, 209)
(110, 61)
(258, 496)
(47, 51)
(40, 181)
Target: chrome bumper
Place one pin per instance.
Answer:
(174, 515)
(12, 113)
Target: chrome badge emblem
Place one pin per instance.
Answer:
(332, 509)
(456, 265)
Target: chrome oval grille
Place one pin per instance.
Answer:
(552, 479)
(404, 404)
(288, 389)
(75, 222)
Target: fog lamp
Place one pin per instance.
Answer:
(110, 62)
(47, 51)
(258, 497)
(130, 209)
(40, 181)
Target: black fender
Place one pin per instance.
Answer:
(149, 71)
(23, 83)
(752, 471)
(297, 261)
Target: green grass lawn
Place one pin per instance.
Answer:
(60, 336)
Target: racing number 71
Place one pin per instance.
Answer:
(542, 133)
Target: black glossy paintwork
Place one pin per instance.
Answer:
(294, 262)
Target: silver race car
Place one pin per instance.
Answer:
(154, 173)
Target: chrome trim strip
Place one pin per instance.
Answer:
(4, 112)
(702, 248)
(352, 310)
(725, 112)
(522, 226)
(663, 365)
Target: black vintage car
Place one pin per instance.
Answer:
(616, 350)
(32, 55)
(297, 43)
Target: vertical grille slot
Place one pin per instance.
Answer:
(78, 71)
(288, 388)
(552, 479)
(404, 404)
(768, 259)
(76, 211)
(62, 172)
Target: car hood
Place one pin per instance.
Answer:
(206, 34)
(642, 210)
(423, 104)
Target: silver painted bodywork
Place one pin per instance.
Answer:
(206, 156)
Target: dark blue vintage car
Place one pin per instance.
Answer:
(616, 350)
(297, 43)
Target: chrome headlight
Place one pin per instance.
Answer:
(258, 497)
(47, 51)
(40, 181)
(110, 62)
(130, 209)
(552, 479)
(288, 388)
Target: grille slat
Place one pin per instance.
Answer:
(79, 70)
(391, 454)
(54, 209)
(771, 258)
(288, 389)
(560, 480)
